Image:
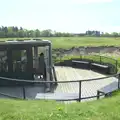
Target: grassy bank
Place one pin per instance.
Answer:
(68, 42)
(105, 109)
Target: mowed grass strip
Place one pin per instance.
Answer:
(105, 109)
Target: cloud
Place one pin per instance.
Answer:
(90, 1)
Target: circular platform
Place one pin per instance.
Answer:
(65, 90)
(88, 88)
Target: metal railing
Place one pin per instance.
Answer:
(79, 82)
(92, 58)
(59, 82)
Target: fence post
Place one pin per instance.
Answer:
(79, 91)
(24, 96)
(118, 80)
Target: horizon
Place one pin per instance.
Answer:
(72, 16)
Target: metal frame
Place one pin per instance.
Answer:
(76, 81)
(9, 46)
(50, 72)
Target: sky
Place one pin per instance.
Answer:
(73, 16)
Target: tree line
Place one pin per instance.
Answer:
(15, 32)
(102, 34)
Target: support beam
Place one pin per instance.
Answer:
(50, 62)
(29, 59)
(9, 60)
(36, 57)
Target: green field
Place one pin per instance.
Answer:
(105, 109)
(68, 42)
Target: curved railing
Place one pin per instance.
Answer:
(63, 82)
(92, 58)
(81, 82)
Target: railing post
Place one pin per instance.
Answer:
(79, 91)
(118, 81)
(55, 77)
(24, 96)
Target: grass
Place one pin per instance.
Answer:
(105, 109)
(68, 42)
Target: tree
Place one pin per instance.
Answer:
(115, 34)
(37, 33)
(10, 32)
(107, 34)
(46, 33)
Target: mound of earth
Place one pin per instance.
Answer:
(110, 50)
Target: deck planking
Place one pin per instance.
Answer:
(88, 88)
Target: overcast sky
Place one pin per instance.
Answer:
(62, 15)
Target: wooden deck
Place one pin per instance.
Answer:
(89, 88)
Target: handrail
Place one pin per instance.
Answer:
(77, 99)
(71, 81)
(80, 81)
(101, 60)
(11, 96)
(81, 57)
(105, 57)
(31, 81)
